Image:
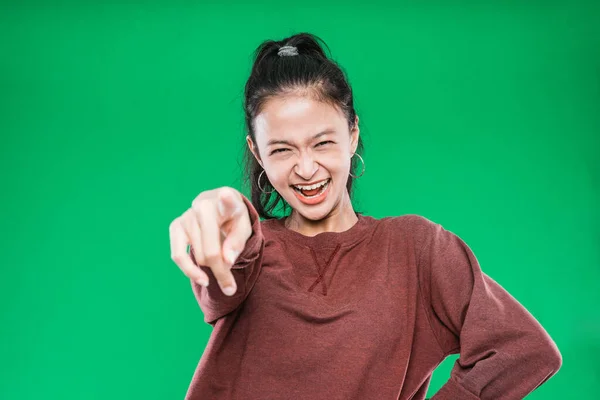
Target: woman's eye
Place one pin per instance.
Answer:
(277, 151)
(282, 150)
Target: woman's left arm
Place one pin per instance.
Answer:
(504, 351)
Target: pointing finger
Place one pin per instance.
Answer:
(206, 215)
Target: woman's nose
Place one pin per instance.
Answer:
(306, 166)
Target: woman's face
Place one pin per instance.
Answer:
(303, 141)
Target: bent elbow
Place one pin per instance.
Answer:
(555, 358)
(550, 354)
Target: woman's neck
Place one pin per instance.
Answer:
(340, 219)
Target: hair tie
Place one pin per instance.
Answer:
(287, 51)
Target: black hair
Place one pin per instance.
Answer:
(310, 72)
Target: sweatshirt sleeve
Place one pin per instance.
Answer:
(212, 301)
(504, 351)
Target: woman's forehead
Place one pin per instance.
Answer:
(296, 119)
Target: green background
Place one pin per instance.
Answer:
(481, 116)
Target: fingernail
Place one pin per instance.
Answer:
(202, 282)
(229, 290)
(221, 208)
(232, 255)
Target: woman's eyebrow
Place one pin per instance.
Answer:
(275, 141)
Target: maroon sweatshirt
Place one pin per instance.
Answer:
(363, 314)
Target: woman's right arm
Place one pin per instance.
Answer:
(213, 302)
(226, 243)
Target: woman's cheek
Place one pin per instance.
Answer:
(337, 162)
(279, 179)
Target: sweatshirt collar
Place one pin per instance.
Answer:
(325, 239)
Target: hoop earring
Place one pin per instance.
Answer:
(363, 168)
(258, 182)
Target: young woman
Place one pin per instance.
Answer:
(327, 303)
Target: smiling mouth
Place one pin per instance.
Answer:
(313, 192)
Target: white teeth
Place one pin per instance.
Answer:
(311, 187)
(316, 195)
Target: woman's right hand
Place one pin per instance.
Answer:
(217, 227)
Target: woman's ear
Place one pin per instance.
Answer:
(354, 134)
(253, 149)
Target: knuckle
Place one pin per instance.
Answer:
(198, 258)
(201, 204)
(178, 258)
(231, 193)
(189, 274)
(228, 190)
(186, 216)
(174, 225)
(212, 256)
